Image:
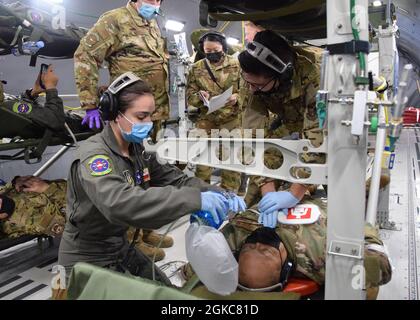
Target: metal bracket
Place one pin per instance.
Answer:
(345, 249)
(389, 225)
(243, 155)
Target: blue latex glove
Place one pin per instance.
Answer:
(236, 203)
(92, 117)
(269, 220)
(216, 204)
(277, 201)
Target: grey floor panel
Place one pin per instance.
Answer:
(403, 245)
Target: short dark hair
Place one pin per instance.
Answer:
(213, 38)
(277, 44)
(131, 93)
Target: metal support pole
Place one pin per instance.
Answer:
(372, 206)
(347, 152)
(51, 161)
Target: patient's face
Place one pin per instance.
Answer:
(260, 263)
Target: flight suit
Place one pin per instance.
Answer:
(108, 192)
(290, 114)
(50, 114)
(36, 213)
(306, 245)
(228, 117)
(127, 42)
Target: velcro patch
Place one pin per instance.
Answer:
(22, 107)
(100, 165)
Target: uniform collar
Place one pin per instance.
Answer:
(303, 67)
(110, 140)
(296, 89)
(139, 20)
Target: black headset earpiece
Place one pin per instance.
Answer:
(108, 103)
(218, 35)
(287, 74)
(108, 106)
(285, 272)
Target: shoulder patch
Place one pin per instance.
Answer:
(22, 107)
(100, 165)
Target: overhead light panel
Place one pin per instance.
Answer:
(377, 3)
(174, 25)
(232, 41)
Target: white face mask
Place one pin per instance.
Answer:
(211, 258)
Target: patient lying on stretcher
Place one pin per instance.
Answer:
(268, 257)
(32, 206)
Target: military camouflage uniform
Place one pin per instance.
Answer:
(306, 245)
(36, 213)
(228, 117)
(128, 43)
(297, 111)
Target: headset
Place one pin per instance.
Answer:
(108, 104)
(285, 273)
(220, 36)
(271, 60)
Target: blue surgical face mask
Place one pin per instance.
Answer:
(148, 11)
(139, 131)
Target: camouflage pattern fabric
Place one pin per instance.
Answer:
(36, 213)
(127, 42)
(312, 53)
(227, 75)
(295, 112)
(228, 117)
(306, 245)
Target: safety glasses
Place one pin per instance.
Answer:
(256, 86)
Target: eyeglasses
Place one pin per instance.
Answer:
(255, 86)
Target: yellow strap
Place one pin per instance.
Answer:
(72, 108)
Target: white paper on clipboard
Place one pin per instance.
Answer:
(217, 102)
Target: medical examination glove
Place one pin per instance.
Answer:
(269, 220)
(215, 203)
(236, 203)
(92, 117)
(277, 201)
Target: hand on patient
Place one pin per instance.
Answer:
(236, 203)
(30, 184)
(274, 202)
(216, 204)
